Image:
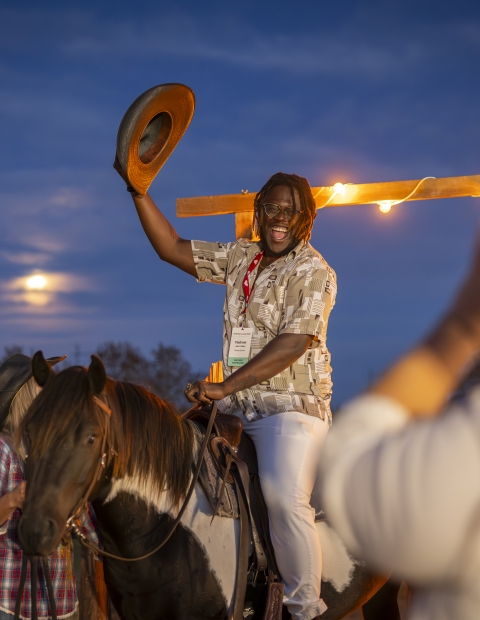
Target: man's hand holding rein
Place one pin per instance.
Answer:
(276, 356)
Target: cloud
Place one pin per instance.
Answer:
(40, 223)
(68, 197)
(54, 282)
(44, 242)
(43, 292)
(351, 48)
(26, 258)
(247, 47)
(50, 201)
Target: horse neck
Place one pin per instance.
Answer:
(155, 449)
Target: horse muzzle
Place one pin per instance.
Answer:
(39, 535)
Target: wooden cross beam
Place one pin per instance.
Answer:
(338, 195)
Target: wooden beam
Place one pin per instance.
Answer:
(366, 193)
(243, 225)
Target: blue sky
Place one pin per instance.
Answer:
(347, 91)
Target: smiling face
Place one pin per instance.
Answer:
(278, 233)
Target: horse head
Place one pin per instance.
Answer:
(90, 437)
(67, 432)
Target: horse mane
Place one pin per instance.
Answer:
(152, 443)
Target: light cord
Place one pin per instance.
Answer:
(392, 203)
(335, 192)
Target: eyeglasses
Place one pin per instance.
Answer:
(273, 210)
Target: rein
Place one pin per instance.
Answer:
(72, 520)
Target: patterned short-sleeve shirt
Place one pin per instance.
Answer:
(294, 295)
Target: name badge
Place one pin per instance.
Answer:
(240, 346)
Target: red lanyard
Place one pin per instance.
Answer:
(247, 290)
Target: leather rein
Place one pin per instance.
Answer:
(72, 521)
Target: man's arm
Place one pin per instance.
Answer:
(164, 238)
(278, 354)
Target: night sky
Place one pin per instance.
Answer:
(335, 91)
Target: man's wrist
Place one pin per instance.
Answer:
(132, 191)
(226, 387)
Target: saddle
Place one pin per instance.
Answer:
(232, 454)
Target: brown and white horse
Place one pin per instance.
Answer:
(150, 451)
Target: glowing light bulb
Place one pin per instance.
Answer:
(339, 189)
(385, 206)
(36, 283)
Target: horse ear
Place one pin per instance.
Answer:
(97, 375)
(40, 369)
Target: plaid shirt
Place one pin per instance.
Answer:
(294, 295)
(11, 554)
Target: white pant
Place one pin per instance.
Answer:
(288, 449)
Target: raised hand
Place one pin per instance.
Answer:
(120, 170)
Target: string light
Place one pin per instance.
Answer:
(338, 189)
(385, 206)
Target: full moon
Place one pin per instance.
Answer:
(36, 283)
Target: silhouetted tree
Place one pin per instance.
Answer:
(124, 362)
(165, 373)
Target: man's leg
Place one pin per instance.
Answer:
(288, 448)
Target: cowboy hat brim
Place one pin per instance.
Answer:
(14, 373)
(150, 129)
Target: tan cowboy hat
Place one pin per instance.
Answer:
(150, 130)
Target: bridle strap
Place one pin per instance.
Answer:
(177, 520)
(21, 588)
(48, 581)
(34, 580)
(102, 462)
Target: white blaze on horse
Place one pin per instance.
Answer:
(132, 456)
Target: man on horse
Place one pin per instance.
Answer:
(277, 373)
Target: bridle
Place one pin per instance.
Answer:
(73, 523)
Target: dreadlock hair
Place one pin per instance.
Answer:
(304, 221)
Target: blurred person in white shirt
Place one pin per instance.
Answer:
(400, 474)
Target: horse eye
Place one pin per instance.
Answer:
(91, 439)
